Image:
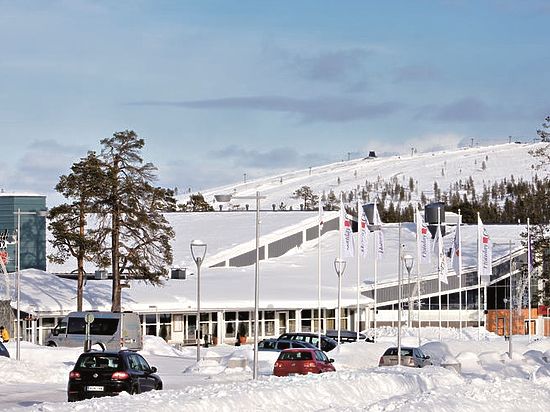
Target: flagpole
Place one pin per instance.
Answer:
(479, 266)
(376, 246)
(439, 240)
(375, 258)
(459, 276)
(418, 257)
(342, 216)
(359, 233)
(529, 274)
(319, 223)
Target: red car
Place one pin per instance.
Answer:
(302, 361)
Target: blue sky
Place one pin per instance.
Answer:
(223, 88)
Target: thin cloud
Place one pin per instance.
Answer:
(466, 109)
(39, 167)
(330, 66)
(408, 74)
(277, 158)
(327, 109)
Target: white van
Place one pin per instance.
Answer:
(109, 331)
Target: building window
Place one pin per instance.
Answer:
(230, 324)
(306, 320)
(165, 331)
(178, 323)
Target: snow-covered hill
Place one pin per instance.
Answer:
(484, 165)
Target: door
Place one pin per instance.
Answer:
(283, 322)
(135, 364)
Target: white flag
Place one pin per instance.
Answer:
(442, 271)
(456, 250)
(423, 239)
(346, 232)
(363, 234)
(378, 234)
(485, 253)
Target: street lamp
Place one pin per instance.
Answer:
(408, 260)
(41, 213)
(340, 267)
(198, 250)
(257, 197)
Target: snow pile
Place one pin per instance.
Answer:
(489, 380)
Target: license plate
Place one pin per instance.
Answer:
(94, 388)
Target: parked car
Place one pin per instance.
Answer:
(301, 362)
(413, 357)
(277, 345)
(345, 335)
(97, 374)
(4, 351)
(109, 331)
(327, 344)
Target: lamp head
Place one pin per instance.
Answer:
(198, 250)
(408, 260)
(223, 198)
(339, 266)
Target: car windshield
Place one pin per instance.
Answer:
(98, 361)
(291, 355)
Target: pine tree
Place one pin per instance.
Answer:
(310, 199)
(131, 214)
(543, 134)
(197, 203)
(68, 221)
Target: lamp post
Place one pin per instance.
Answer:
(42, 213)
(257, 197)
(198, 251)
(408, 260)
(340, 267)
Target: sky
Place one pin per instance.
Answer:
(221, 89)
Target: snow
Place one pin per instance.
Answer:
(444, 167)
(489, 380)
(289, 281)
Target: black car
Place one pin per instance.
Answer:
(4, 351)
(327, 344)
(345, 335)
(277, 345)
(98, 374)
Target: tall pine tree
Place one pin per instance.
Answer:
(68, 221)
(131, 214)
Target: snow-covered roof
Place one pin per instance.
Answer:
(289, 281)
(223, 232)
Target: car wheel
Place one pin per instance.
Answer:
(158, 387)
(135, 390)
(51, 344)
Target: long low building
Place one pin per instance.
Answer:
(288, 282)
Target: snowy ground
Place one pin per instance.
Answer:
(488, 381)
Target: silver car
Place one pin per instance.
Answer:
(413, 357)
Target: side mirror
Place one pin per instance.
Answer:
(427, 357)
(153, 369)
(330, 360)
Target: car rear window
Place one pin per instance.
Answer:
(98, 361)
(393, 352)
(295, 355)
